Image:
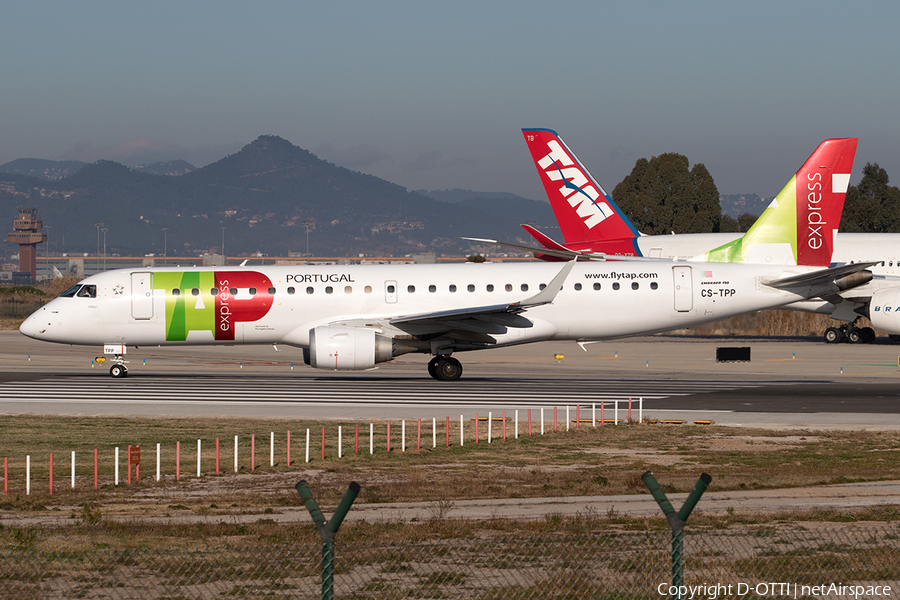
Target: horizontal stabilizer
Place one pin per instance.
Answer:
(544, 240)
(823, 277)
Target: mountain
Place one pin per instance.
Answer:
(263, 197)
(45, 169)
(170, 167)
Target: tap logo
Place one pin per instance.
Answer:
(577, 189)
(214, 302)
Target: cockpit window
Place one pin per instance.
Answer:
(87, 291)
(69, 293)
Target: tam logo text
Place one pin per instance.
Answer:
(577, 189)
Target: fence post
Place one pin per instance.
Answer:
(327, 531)
(676, 521)
(73, 469)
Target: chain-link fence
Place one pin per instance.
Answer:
(623, 564)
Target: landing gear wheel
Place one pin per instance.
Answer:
(447, 369)
(894, 338)
(868, 335)
(833, 335)
(432, 367)
(118, 371)
(855, 335)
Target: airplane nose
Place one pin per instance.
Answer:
(27, 326)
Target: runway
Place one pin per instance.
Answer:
(794, 383)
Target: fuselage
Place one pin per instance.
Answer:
(282, 304)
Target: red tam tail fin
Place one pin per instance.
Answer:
(586, 213)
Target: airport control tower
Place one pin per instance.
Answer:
(27, 236)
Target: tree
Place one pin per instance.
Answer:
(663, 195)
(873, 206)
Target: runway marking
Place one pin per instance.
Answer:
(343, 392)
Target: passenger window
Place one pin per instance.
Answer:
(490, 287)
(653, 285)
(524, 287)
(391, 289)
(175, 292)
(271, 291)
(616, 285)
(348, 289)
(635, 285)
(195, 292)
(309, 290)
(329, 289)
(411, 289)
(470, 287)
(452, 288)
(368, 289)
(577, 287)
(252, 291)
(596, 286)
(542, 286)
(233, 291)
(291, 291)
(508, 287)
(213, 292)
(432, 288)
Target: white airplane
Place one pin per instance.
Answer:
(591, 222)
(353, 317)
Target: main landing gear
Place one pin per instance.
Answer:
(849, 333)
(444, 368)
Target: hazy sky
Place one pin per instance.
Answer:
(434, 94)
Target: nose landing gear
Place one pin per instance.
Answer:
(118, 368)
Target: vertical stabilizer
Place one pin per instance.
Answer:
(800, 225)
(584, 210)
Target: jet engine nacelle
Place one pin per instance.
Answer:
(343, 348)
(884, 310)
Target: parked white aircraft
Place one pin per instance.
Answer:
(353, 317)
(592, 222)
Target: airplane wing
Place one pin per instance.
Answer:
(503, 314)
(470, 324)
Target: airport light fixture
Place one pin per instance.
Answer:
(165, 244)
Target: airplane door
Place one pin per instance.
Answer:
(684, 294)
(142, 295)
(390, 292)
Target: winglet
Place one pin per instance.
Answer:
(548, 294)
(800, 225)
